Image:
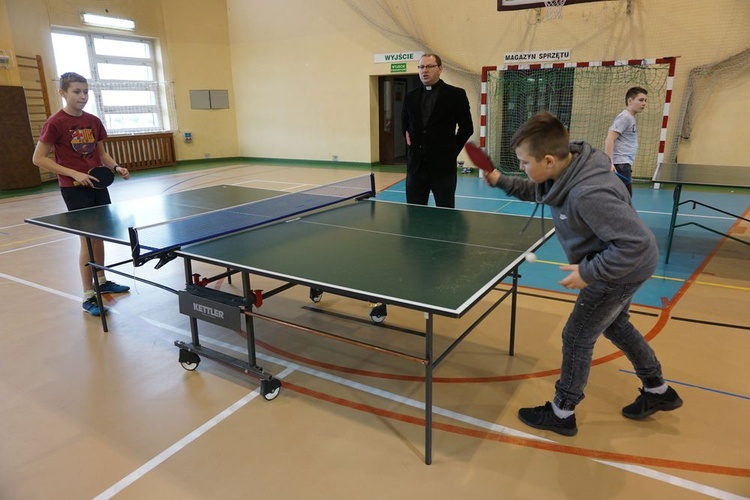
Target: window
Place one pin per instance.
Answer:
(124, 88)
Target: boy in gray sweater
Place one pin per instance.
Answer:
(611, 253)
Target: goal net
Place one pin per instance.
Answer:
(585, 96)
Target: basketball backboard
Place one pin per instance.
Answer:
(532, 4)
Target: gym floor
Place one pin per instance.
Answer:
(90, 414)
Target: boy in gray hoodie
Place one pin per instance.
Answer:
(611, 253)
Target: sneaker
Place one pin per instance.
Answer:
(112, 287)
(543, 417)
(91, 306)
(649, 403)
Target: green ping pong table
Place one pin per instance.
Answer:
(437, 261)
(681, 174)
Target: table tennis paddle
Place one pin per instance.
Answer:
(478, 157)
(104, 177)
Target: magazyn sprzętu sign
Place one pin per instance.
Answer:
(537, 57)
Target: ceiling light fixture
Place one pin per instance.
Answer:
(107, 22)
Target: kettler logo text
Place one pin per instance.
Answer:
(208, 311)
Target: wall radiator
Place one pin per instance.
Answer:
(142, 151)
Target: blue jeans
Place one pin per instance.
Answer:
(602, 307)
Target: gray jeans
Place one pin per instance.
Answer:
(602, 307)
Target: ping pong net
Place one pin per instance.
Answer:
(163, 239)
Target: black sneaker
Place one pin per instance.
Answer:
(543, 417)
(649, 403)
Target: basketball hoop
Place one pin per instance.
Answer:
(553, 9)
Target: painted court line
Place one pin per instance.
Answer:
(358, 386)
(76, 298)
(43, 288)
(48, 242)
(635, 469)
(679, 482)
(703, 388)
(182, 443)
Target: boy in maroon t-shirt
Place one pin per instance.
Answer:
(76, 137)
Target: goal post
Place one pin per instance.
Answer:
(585, 96)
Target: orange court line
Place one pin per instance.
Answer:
(529, 443)
(664, 315)
(663, 318)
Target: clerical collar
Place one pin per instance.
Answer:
(433, 87)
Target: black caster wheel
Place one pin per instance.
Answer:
(269, 389)
(316, 294)
(189, 360)
(378, 313)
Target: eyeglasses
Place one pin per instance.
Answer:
(429, 66)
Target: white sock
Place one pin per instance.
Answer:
(102, 280)
(657, 390)
(561, 413)
(87, 294)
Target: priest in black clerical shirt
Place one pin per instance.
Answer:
(437, 124)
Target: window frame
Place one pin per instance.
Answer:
(97, 85)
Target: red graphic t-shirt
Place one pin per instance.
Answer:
(74, 140)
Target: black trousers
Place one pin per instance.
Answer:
(625, 173)
(420, 184)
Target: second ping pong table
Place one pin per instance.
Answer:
(440, 262)
(680, 175)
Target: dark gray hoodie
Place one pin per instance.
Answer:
(595, 221)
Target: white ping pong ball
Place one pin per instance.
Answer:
(531, 257)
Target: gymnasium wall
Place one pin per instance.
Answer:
(7, 77)
(303, 84)
(306, 68)
(194, 42)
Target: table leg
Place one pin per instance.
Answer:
(249, 323)
(513, 300)
(99, 300)
(428, 391)
(675, 206)
(194, 335)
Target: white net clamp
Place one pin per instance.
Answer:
(553, 9)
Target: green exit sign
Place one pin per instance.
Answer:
(398, 68)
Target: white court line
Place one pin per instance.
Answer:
(635, 469)
(290, 367)
(182, 443)
(675, 481)
(28, 247)
(292, 185)
(43, 288)
(516, 200)
(13, 225)
(688, 215)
